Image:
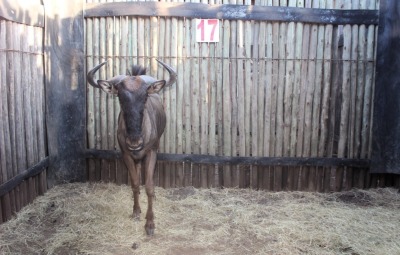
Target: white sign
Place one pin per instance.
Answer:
(207, 30)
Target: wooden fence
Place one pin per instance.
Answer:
(269, 88)
(282, 102)
(22, 112)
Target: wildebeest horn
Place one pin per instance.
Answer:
(172, 73)
(90, 76)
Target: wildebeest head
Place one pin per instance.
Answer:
(132, 91)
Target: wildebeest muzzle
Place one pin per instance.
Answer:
(134, 144)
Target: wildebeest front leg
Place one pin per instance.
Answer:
(150, 165)
(134, 173)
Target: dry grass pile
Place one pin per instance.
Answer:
(96, 219)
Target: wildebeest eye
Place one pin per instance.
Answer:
(118, 85)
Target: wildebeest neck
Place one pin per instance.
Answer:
(132, 105)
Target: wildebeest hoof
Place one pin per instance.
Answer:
(136, 214)
(149, 229)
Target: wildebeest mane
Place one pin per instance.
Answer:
(138, 70)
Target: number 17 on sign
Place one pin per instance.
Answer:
(207, 30)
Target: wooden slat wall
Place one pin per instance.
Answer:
(266, 89)
(22, 112)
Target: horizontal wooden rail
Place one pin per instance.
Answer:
(30, 172)
(258, 161)
(232, 12)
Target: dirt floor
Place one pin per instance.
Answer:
(96, 219)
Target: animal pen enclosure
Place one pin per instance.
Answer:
(275, 85)
(284, 100)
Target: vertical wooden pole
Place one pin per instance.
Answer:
(11, 59)
(214, 59)
(256, 92)
(65, 91)
(248, 78)
(41, 131)
(204, 88)
(219, 102)
(294, 174)
(290, 97)
(234, 90)
(180, 87)
(195, 97)
(279, 46)
(327, 84)
(266, 52)
(345, 105)
(187, 178)
(386, 123)
(360, 86)
(226, 99)
(5, 150)
(90, 63)
(275, 135)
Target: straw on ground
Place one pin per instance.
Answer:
(96, 219)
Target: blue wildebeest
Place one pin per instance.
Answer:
(141, 123)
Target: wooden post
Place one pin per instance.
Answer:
(65, 91)
(385, 156)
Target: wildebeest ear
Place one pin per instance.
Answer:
(107, 87)
(156, 86)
